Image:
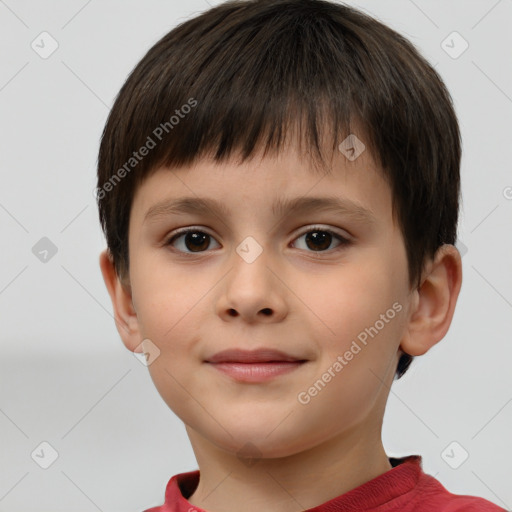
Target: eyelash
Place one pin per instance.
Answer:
(343, 242)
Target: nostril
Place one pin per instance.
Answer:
(266, 311)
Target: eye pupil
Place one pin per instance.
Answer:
(196, 240)
(323, 238)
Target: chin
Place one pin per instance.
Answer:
(250, 442)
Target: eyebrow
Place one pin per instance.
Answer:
(280, 208)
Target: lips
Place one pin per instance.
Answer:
(252, 356)
(254, 366)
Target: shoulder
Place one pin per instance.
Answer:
(430, 491)
(458, 503)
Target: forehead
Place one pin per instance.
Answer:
(286, 181)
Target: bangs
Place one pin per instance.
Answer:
(280, 87)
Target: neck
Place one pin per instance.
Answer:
(300, 481)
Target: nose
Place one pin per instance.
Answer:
(253, 291)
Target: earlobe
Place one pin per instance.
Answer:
(120, 294)
(434, 302)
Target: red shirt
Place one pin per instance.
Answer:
(403, 488)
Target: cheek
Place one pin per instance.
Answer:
(360, 312)
(165, 298)
(351, 298)
(171, 314)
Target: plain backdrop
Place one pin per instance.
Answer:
(66, 378)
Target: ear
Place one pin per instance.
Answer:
(124, 313)
(433, 303)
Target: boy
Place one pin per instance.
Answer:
(244, 141)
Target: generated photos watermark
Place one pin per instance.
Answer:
(304, 397)
(151, 142)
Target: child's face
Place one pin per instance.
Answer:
(310, 298)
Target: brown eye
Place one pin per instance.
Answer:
(319, 240)
(191, 241)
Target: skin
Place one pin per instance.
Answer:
(308, 303)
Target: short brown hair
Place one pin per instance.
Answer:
(241, 75)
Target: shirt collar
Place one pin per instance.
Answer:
(396, 482)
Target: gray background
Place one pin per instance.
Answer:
(66, 378)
